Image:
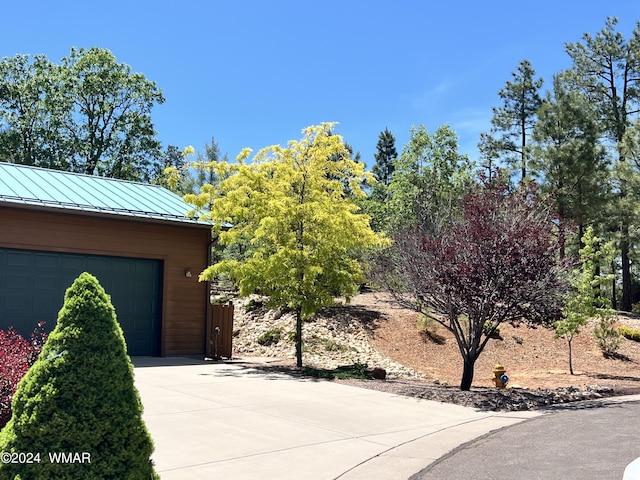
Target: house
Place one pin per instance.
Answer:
(134, 237)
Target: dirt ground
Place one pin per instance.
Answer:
(533, 357)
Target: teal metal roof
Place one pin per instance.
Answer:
(39, 187)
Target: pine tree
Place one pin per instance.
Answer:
(569, 159)
(385, 157)
(376, 203)
(513, 122)
(606, 69)
(79, 397)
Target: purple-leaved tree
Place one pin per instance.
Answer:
(496, 262)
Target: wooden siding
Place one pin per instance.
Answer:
(180, 246)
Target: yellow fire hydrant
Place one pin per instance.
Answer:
(500, 379)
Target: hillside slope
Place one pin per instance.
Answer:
(373, 330)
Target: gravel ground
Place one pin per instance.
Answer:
(482, 398)
(493, 399)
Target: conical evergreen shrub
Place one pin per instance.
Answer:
(79, 397)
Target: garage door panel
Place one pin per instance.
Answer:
(46, 261)
(32, 286)
(18, 259)
(17, 304)
(73, 262)
(98, 265)
(18, 281)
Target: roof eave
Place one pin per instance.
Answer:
(106, 214)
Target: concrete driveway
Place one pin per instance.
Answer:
(223, 420)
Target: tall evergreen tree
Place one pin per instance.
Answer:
(606, 69)
(376, 203)
(513, 122)
(385, 156)
(205, 164)
(569, 159)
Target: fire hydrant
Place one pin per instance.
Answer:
(499, 377)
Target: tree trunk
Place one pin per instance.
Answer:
(626, 267)
(569, 340)
(523, 133)
(299, 337)
(467, 373)
(562, 241)
(614, 299)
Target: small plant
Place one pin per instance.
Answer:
(270, 337)
(428, 328)
(220, 300)
(333, 346)
(486, 329)
(607, 336)
(635, 308)
(253, 305)
(629, 333)
(427, 323)
(291, 336)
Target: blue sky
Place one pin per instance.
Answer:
(255, 73)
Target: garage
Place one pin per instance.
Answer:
(136, 238)
(34, 282)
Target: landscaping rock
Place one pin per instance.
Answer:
(333, 339)
(377, 373)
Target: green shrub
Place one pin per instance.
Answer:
(271, 336)
(607, 336)
(79, 397)
(629, 333)
(357, 370)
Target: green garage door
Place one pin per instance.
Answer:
(32, 286)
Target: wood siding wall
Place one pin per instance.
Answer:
(180, 246)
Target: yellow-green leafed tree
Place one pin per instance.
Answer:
(303, 233)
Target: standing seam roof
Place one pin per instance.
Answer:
(34, 186)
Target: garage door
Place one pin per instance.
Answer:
(32, 286)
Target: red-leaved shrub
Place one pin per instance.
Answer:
(17, 354)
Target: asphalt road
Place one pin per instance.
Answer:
(579, 442)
